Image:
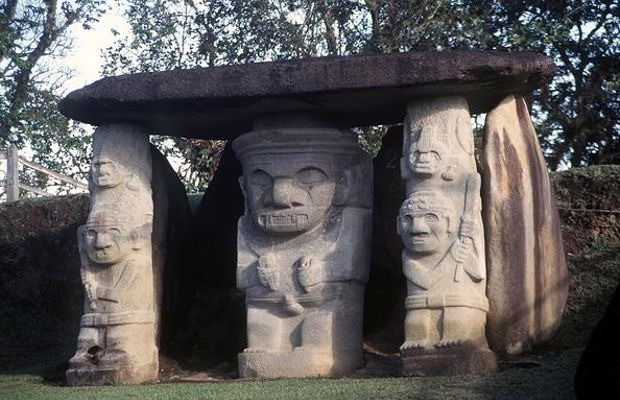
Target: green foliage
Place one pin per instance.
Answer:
(576, 116)
(33, 33)
(579, 111)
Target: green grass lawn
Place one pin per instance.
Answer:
(550, 380)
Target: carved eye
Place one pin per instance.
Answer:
(310, 176)
(260, 178)
(114, 231)
(431, 218)
(91, 233)
(427, 155)
(406, 221)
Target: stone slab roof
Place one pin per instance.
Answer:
(222, 102)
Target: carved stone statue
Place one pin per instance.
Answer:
(116, 343)
(446, 305)
(121, 166)
(303, 251)
(444, 258)
(438, 144)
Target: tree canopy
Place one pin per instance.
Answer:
(33, 34)
(576, 115)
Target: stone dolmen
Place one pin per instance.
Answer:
(482, 258)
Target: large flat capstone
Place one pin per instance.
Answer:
(222, 102)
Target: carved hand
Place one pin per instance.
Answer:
(91, 290)
(467, 228)
(461, 251)
(268, 272)
(309, 272)
(108, 294)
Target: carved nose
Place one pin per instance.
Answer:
(281, 194)
(103, 241)
(419, 225)
(423, 157)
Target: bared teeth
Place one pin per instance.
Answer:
(283, 219)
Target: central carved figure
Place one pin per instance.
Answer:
(303, 254)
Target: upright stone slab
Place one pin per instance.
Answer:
(116, 343)
(528, 279)
(173, 270)
(441, 228)
(303, 248)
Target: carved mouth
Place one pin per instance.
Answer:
(104, 179)
(103, 255)
(282, 220)
(423, 167)
(419, 237)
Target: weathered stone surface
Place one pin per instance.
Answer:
(303, 248)
(173, 268)
(222, 102)
(116, 343)
(446, 361)
(527, 275)
(441, 227)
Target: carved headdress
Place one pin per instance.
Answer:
(427, 201)
(291, 140)
(337, 148)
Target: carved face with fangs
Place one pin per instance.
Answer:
(291, 196)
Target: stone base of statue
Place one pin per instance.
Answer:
(114, 374)
(298, 364)
(447, 361)
(114, 354)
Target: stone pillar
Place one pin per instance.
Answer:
(116, 343)
(303, 247)
(528, 278)
(441, 227)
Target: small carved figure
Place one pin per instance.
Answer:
(116, 343)
(104, 173)
(444, 258)
(108, 269)
(117, 326)
(302, 254)
(428, 155)
(446, 305)
(121, 155)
